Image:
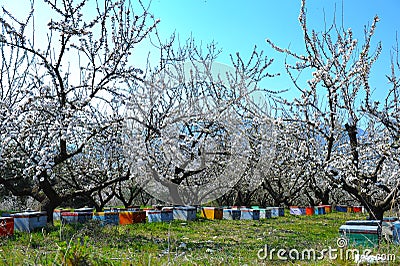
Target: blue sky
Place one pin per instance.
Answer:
(239, 25)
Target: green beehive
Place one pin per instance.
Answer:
(361, 235)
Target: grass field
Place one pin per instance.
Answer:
(203, 242)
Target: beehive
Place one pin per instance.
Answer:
(211, 213)
(309, 211)
(106, 218)
(231, 214)
(264, 213)
(184, 213)
(249, 214)
(357, 209)
(296, 210)
(319, 210)
(159, 215)
(76, 217)
(57, 214)
(132, 217)
(364, 235)
(6, 226)
(328, 208)
(341, 208)
(276, 211)
(29, 221)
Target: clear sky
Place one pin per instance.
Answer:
(238, 25)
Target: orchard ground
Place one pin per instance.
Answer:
(202, 242)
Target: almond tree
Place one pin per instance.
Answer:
(61, 89)
(353, 144)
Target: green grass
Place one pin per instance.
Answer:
(202, 242)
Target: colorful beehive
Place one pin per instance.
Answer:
(319, 210)
(185, 213)
(106, 218)
(356, 209)
(231, 214)
(276, 211)
(249, 214)
(159, 215)
(296, 210)
(132, 217)
(6, 226)
(212, 213)
(29, 221)
(57, 213)
(76, 217)
(341, 208)
(309, 211)
(328, 208)
(361, 234)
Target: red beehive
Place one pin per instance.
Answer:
(6, 226)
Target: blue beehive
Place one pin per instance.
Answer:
(106, 218)
(159, 215)
(29, 221)
(76, 217)
(276, 211)
(319, 210)
(249, 214)
(231, 214)
(185, 213)
(340, 208)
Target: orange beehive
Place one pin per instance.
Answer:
(310, 211)
(128, 217)
(211, 213)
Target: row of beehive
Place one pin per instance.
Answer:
(241, 213)
(311, 210)
(352, 209)
(369, 232)
(31, 220)
(323, 209)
